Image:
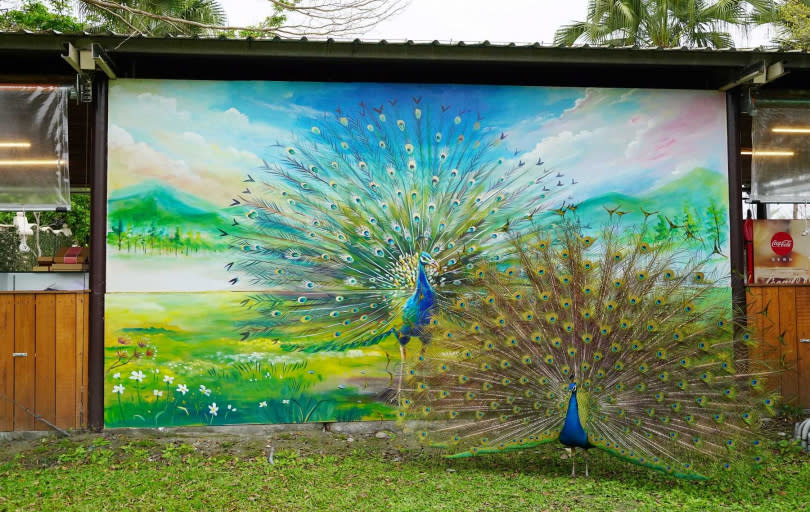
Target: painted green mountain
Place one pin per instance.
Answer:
(695, 190)
(152, 203)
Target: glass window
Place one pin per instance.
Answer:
(34, 148)
(780, 159)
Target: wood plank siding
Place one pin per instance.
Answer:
(50, 380)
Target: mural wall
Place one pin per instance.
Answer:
(275, 249)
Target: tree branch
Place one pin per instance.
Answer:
(319, 17)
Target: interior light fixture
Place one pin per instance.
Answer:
(767, 153)
(25, 163)
(791, 129)
(14, 144)
(27, 87)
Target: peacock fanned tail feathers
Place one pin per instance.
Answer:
(334, 226)
(640, 328)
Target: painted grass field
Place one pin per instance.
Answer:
(177, 359)
(321, 471)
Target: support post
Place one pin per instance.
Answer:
(98, 255)
(735, 214)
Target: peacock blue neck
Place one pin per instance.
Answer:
(422, 284)
(572, 433)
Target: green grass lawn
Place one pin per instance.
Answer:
(327, 471)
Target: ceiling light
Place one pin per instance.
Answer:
(767, 153)
(26, 163)
(791, 129)
(14, 144)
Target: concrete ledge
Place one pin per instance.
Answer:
(25, 435)
(354, 427)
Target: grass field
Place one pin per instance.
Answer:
(177, 359)
(322, 471)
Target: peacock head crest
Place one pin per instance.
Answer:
(427, 260)
(406, 269)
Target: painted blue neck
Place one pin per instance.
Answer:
(422, 283)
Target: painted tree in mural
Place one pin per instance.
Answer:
(373, 220)
(596, 339)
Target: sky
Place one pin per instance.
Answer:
(205, 137)
(504, 21)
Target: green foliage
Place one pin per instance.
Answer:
(35, 15)
(206, 12)
(323, 472)
(668, 24)
(77, 219)
(794, 20)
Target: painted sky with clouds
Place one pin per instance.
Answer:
(204, 137)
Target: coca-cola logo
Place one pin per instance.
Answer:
(782, 243)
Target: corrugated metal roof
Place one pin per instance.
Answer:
(398, 42)
(319, 59)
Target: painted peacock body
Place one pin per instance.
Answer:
(601, 341)
(371, 221)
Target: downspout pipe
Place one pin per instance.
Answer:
(98, 255)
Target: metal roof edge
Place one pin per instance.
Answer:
(408, 50)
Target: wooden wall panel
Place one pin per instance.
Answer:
(24, 367)
(52, 380)
(789, 343)
(771, 332)
(80, 362)
(781, 314)
(45, 358)
(66, 361)
(755, 319)
(803, 349)
(6, 362)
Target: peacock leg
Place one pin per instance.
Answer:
(573, 462)
(401, 371)
(586, 463)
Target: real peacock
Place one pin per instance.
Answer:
(368, 222)
(601, 340)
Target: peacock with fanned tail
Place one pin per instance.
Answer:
(369, 222)
(597, 341)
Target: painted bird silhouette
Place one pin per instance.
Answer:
(367, 223)
(603, 342)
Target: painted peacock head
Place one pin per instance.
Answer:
(427, 261)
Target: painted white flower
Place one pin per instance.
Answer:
(204, 390)
(117, 375)
(263, 404)
(285, 402)
(168, 379)
(118, 388)
(182, 388)
(139, 376)
(213, 409)
(157, 392)
(229, 407)
(207, 392)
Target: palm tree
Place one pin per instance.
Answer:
(128, 16)
(664, 23)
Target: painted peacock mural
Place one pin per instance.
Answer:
(371, 221)
(597, 340)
